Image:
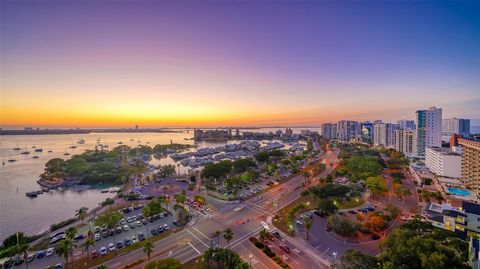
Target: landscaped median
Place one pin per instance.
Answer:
(87, 262)
(269, 252)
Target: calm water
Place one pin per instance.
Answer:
(20, 213)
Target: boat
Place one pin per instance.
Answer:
(120, 143)
(104, 191)
(33, 147)
(11, 160)
(16, 148)
(73, 146)
(25, 152)
(66, 153)
(38, 150)
(49, 150)
(131, 139)
(35, 157)
(81, 141)
(32, 194)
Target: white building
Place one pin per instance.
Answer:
(455, 126)
(443, 162)
(429, 130)
(406, 124)
(404, 142)
(384, 134)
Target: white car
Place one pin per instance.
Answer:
(103, 251)
(134, 240)
(265, 225)
(138, 223)
(111, 247)
(403, 218)
(97, 236)
(125, 227)
(165, 227)
(49, 252)
(298, 222)
(123, 222)
(129, 219)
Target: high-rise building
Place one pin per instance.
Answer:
(367, 132)
(456, 126)
(384, 134)
(429, 130)
(347, 130)
(406, 124)
(443, 162)
(328, 130)
(404, 140)
(470, 163)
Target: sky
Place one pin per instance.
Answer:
(251, 63)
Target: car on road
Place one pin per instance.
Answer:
(103, 251)
(30, 257)
(276, 234)
(94, 254)
(49, 252)
(285, 248)
(40, 254)
(111, 247)
(141, 236)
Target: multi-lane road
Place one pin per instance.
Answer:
(244, 218)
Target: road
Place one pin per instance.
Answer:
(244, 218)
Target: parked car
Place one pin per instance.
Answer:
(40, 254)
(30, 257)
(165, 227)
(120, 244)
(127, 242)
(154, 232)
(276, 234)
(97, 236)
(94, 254)
(111, 247)
(103, 251)
(125, 228)
(58, 266)
(141, 236)
(49, 252)
(138, 223)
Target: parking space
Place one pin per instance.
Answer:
(132, 229)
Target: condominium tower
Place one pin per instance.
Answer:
(470, 163)
(429, 130)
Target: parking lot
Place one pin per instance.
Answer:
(129, 233)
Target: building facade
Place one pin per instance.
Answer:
(347, 130)
(443, 162)
(428, 130)
(384, 134)
(470, 163)
(406, 124)
(404, 141)
(456, 126)
(328, 130)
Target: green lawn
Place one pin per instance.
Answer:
(354, 202)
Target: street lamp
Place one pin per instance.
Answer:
(250, 256)
(334, 259)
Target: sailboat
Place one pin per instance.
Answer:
(26, 152)
(49, 150)
(73, 146)
(11, 160)
(66, 153)
(16, 148)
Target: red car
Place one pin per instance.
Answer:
(95, 254)
(285, 248)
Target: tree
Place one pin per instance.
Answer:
(81, 213)
(242, 165)
(402, 192)
(354, 259)
(64, 249)
(167, 263)
(108, 202)
(376, 185)
(307, 223)
(89, 243)
(327, 207)
(23, 250)
(110, 219)
(148, 248)
(70, 232)
(223, 259)
(392, 210)
(263, 235)
(228, 235)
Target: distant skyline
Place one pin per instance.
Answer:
(214, 63)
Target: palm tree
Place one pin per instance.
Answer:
(162, 199)
(64, 248)
(81, 213)
(70, 232)
(307, 223)
(228, 235)
(89, 242)
(148, 248)
(23, 250)
(103, 266)
(403, 192)
(263, 236)
(110, 219)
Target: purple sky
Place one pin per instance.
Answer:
(215, 62)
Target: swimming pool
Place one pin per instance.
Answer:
(459, 192)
